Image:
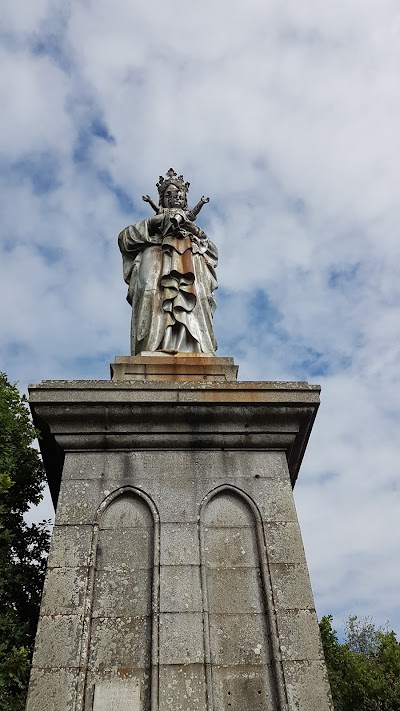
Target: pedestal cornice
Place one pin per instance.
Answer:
(95, 415)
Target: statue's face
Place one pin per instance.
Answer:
(173, 197)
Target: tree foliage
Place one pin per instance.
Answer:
(364, 671)
(23, 547)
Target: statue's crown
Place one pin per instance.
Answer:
(172, 178)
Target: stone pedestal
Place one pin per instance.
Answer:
(176, 578)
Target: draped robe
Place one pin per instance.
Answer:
(171, 279)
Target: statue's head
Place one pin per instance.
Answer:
(173, 190)
(174, 197)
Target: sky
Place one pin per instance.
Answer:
(286, 114)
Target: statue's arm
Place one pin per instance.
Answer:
(192, 214)
(151, 202)
(135, 238)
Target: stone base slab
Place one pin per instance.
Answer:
(162, 366)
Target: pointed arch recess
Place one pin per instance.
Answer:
(241, 642)
(120, 636)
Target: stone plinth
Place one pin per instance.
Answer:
(176, 577)
(178, 367)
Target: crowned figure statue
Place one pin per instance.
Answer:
(169, 265)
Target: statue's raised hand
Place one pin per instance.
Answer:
(203, 199)
(151, 202)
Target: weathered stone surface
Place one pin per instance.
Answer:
(180, 589)
(283, 542)
(136, 680)
(233, 547)
(134, 467)
(180, 544)
(70, 546)
(244, 687)
(183, 687)
(177, 367)
(117, 695)
(307, 686)
(119, 642)
(89, 465)
(120, 593)
(116, 552)
(239, 639)
(299, 637)
(174, 497)
(181, 638)
(291, 586)
(64, 591)
(52, 689)
(227, 509)
(58, 641)
(275, 500)
(245, 592)
(129, 511)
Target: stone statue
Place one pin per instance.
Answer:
(169, 265)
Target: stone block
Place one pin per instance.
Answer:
(128, 684)
(177, 503)
(243, 688)
(274, 500)
(227, 509)
(70, 546)
(129, 467)
(238, 639)
(79, 500)
(120, 642)
(117, 695)
(179, 544)
(307, 686)
(179, 367)
(122, 593)
(299, 635)
(180, 589)
(127, 510)
(85, 465)
(64, 591)
(181, 638)
(233, 547)
(234, 590)
(291, 586)
(58, 641)
(283, 542)
(182, 687)
(125, 549)
(52, 690)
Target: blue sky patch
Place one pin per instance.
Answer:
(41, 169)
(344, 276)
(50, 255)
(125, 202)
(87, 134)
(313, 363)
(262, 311)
